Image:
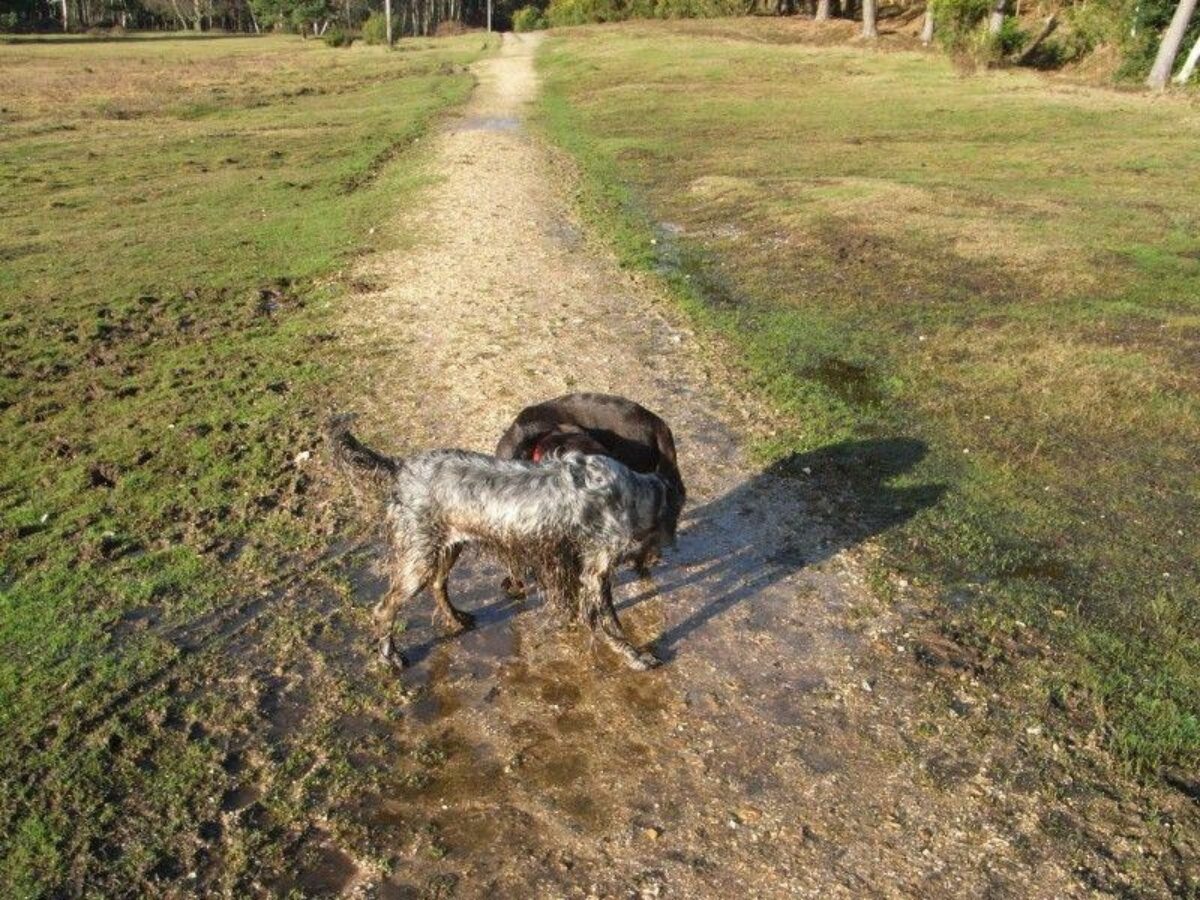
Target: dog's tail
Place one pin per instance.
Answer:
(349, 452)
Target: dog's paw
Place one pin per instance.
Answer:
(643, 660)
(514, 588)
(390, 655)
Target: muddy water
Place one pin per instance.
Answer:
(780, 751)
(563, 770)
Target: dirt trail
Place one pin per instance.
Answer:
(788, 747)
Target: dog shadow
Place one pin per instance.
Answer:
(798, 512)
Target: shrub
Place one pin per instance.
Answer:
(580, 12)
(337, 37)
(528, 18)
(957, 21)
(1089, 26)
(374, 30)
(9, 22)
(1012, 37)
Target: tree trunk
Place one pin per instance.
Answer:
(1189, 65)
(869, 29)
(927, 28)
(822, 11)
(387, 11)
(1169, 48)
(1047, 29)
(999, 11)
(66, 16)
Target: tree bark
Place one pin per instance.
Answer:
(1189, 65)
(387, 12)
(1169, 48)
(66, 16)
(927, 28)
(999, 11)
(1047, 29)
(822, 11)
(869, 29)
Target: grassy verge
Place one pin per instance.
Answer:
(175, 213)
(1001, 267)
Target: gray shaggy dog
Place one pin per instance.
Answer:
(571, 521)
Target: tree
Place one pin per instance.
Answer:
(1169, 48)
(869, 9)
(822, 11)
(1032, 47)
(1189, 65)
(999, 11)
(927, 28)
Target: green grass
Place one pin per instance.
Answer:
(1003, 267)
(176, 217)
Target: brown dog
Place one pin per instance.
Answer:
(598, 424)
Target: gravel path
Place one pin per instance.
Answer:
(789, 747)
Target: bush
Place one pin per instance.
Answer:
(374, 30)
(581, 12)
(528, 18)
(957, 21)
(1012, 37)
(9, 22)
(1089, 26)
(337, 37)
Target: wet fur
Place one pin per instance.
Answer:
(571, 520)
(596, 424)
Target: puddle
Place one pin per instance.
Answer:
(489, 123)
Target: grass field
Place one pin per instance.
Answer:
(176, 215)
(1002, 266)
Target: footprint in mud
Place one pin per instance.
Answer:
(284, 704)
(322, 870)
(239, 797)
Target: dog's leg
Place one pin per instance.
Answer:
(409, 578)
(456, 619)
(600, 615)
(646, 560)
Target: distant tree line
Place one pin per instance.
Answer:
(409, 17)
